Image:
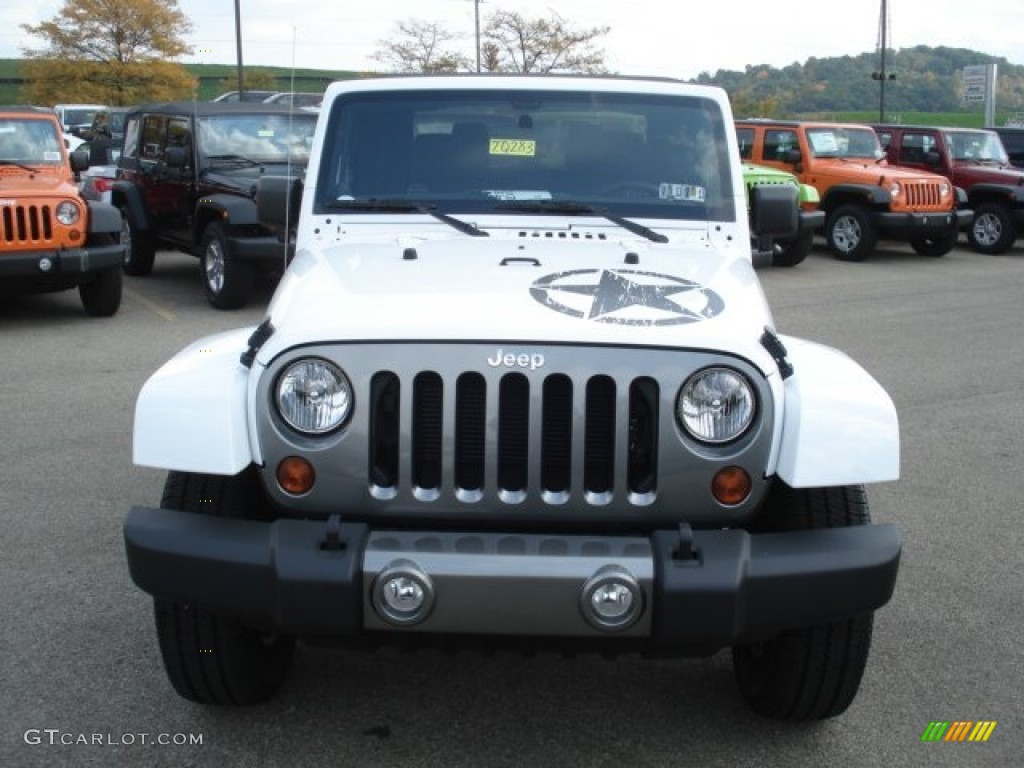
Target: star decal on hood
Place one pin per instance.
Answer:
(626, 297)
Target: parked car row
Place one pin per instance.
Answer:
(919, 184)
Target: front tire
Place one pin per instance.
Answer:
(809, 673)
(935, 245)
(101, 296)
(850, 233)
(227, 281)
(992, 230)
(211, 658)
(791, 252)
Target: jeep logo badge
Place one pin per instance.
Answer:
(503, 359)
(627, 297)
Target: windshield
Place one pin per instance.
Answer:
(479, 150)
(259, 138)
(976, 146)
(860, 143)
(29, 142)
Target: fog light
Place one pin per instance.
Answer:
(730, 486)
(295, 475)
(611, 599)
(45, 264)
(403, 594)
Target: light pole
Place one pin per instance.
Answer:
(476, 3)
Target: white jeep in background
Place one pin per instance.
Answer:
(519, 385)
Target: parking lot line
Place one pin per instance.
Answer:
(152, 306)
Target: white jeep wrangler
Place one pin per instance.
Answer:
(520, 384)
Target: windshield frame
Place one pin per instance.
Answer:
(37, 143)
(525, 139)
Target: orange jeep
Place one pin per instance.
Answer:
(50, 238)
(864, 198)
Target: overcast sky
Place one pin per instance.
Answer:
(672, 38)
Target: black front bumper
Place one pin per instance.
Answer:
(911, 224)
(719, 588)
(53, 262)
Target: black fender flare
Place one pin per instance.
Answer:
(125, 196)
(230, 210)
(103, 217)
(870, 195)
(986, 191)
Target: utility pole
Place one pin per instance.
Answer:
(476, 3)
(883, 43)
(238, 44)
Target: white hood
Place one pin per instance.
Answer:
(519, 286)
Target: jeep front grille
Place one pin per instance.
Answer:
(25, 224)
(923, 195)
(544, 431)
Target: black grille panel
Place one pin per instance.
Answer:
(514, 437)
(25, 224)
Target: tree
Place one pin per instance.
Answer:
(109, 51)
(514, 43)
(252, 80)
(419, 46)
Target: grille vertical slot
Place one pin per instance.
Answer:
(383, 431)
(470, 432)
(427, 431)
(599, 439)
(513, 435)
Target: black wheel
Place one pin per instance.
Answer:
(789, 253)
(227, 281)
(935, 245)
(850, 234)
(101, 296)
(211, 658)
(140, 250)
(809, 673)
(992, 230)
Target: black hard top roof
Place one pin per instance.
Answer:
(905, 127)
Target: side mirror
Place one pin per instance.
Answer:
(277, 200)
(79, 160)
(774, 210)
(794, 156)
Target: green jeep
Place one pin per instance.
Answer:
(785, 252)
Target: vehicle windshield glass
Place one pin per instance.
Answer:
(29, 142)
(463, 151)
(860, 143)
(258, 137)
(976, 147)
(79, 116)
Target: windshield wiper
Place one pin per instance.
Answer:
(410, 206)
(19, 165)
(571, 208)
(233, 159)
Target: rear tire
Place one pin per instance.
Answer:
(810, 673)
(992, 230)
(850, 234)
(140, 250)
(211, 658)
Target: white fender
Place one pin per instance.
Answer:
(839, 426)
(191, 414)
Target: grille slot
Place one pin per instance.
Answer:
(514, 437)
(26, 223)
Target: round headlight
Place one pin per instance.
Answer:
(313, 396)
(66, 213)
(715, 405)
(895, 189)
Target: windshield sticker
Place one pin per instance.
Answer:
(627, 297)
(265, 133)
(689, 193)
(51, 157)
(823, 142)
(518, 194)
(516, 147)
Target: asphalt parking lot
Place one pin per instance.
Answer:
(80, 676)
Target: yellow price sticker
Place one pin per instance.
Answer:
(517, 147)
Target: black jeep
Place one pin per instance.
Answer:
(186, 180)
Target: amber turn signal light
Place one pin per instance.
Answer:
(730, 486)
(295, 475)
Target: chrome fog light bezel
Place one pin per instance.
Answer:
(611, 577)
(402, 574)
